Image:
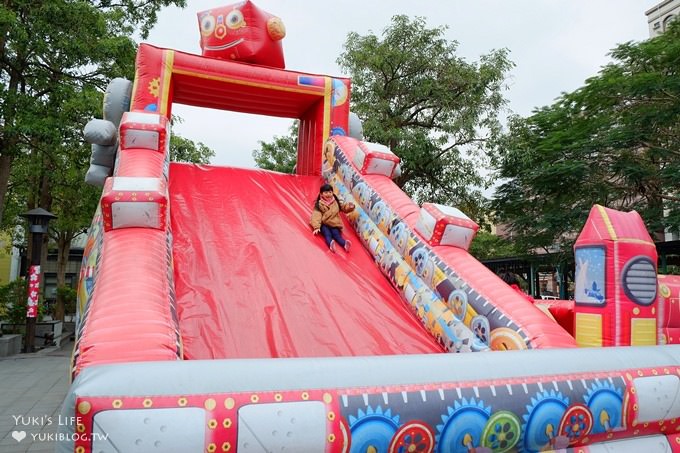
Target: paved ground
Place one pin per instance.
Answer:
(32, 388)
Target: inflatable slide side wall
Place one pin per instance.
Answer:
(127, 308)
(467, 311)
(668, 315)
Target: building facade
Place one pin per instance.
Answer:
(661, 15)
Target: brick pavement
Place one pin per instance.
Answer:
(32, 389)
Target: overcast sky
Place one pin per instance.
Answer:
(555, 44)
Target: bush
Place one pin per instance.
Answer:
(13, 302)
(69, 296)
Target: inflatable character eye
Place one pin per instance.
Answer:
(235, 20)
(207, 24)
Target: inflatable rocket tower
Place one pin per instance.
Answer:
(616, 282)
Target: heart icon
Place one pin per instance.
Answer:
(19, 435)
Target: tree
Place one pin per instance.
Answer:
(486, 245)
(54, 47)
(13, 302)
(281, 154)
(185, 150)
(615, 142)
(73, 203)
(57, 57)
(435, 110)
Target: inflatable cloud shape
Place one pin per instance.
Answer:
(242, 32)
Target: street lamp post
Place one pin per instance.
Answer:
(38, 220)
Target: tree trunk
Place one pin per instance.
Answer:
(5, 168)
(655, 203)
(63, 250)
(8, 141)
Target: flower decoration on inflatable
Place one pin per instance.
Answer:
(242, 32)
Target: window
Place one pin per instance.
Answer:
(50, 290)
(639, 280)
(590, 276)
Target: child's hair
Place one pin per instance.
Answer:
(325, 188)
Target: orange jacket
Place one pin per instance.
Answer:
(328, 215)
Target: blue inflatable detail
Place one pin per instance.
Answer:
(606, 404)
(462, 426)
(338, 131)
(339, 93)
(373, 428)
(542, 421)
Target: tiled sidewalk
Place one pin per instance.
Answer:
(32, 389)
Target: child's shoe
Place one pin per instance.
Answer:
(348, 244)
(331, 247)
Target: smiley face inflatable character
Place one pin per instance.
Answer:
(242, 32)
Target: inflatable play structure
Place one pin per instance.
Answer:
(211, 319)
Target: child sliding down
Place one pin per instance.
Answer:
(326, 218)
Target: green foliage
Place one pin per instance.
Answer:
(55, 60)
(486, 246)
(614, 142)
(434, 110)
(185, 150)
(279, 155)
(13, 300)
(69, 296)
(4, 307)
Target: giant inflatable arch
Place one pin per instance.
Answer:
(321, 103)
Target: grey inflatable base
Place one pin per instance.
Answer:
(261, 427)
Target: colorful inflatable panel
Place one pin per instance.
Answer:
(455, 307)
(595, 400)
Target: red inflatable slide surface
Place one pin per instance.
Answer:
(252, 281)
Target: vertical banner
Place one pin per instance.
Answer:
(33, 291)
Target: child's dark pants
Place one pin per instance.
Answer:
(332, 233)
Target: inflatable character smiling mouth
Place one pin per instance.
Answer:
(242, 32)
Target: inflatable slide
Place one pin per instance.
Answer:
(253, 282)
(211, 319)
